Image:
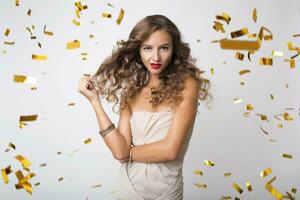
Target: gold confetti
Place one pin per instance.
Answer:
(246, 114)
(29, 12)
(265, 132)
(279, 125)
(245, 71)
(249, 107)
(9, 43)
(237, 100)
(294, 190)
(59, 152)
(274, 192)
(23, 181)
(249, 187)
(209, 163)
(25, 163)
(24, 79)
(224, 17)
(288, 156)
(287, 116)
(71, 104)
(251, 35)
(254, 15)
(73, 45)
(37, 184)
(91, 36)
(212, 71)
(7, 31)
(39, 57)
(266, 172)
(237, 188)
(239, 56)
(106, 15)
(96, 186)
(227, 174)
(11, 145)
(120, 17)
(242, 83)
(272, 96)
(109, 4)
(5, 172)
(77, 23)
(87, 141)
(239, 33)
(266, 61)
(198, 172)
(17, 2)
(277, 53)
(292, 63)
(226, 197)
(61, 178)
(263, 117)
(219, 27)
(200, 185)
(47, 32)
(43, 165)
(296, 35)
(26, 118)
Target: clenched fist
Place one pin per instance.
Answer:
(87, 88)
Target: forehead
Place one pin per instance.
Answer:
(158, 37)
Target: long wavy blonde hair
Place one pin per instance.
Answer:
(125, 72)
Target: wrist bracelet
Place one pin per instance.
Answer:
(107, 130)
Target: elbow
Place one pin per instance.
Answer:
(172, 154)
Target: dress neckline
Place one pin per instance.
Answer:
(150, 112)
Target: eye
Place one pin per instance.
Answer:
(165, 48)
(146, 48)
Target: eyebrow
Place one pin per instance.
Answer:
(166, 44)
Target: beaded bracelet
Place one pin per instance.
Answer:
(107, 130)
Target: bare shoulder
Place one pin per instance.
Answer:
(191, 88)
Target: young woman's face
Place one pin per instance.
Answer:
(156, 51)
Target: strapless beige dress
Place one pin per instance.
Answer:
(152, 181)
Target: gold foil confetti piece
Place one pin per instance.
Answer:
(265, 132)
(224, 17)
(39, 44)
(279, 125)
(25, 163)
(17, 2)
(277, 53)
(75, 22)
(287, 116)
(79, 6)
(24, 79)
(215, 41)
(198, 40)
(59, 153)
(26, 118)
(87, 141)
(274, 192)
(9, 42)
(288, 156)
(91, 36)
(272, 96)
(254, 15)
(60, 178)
(212, 71)
(77, 13)
(110, 5)
(219, 27)
(237, 188)
(272, 140)
(266, 172)
(251, 35)
(43, 165)
(227, 174)
(292, 63)
(239, 56)
(248, 55)
(87, 75)
(266, 61)
(29, 12)
(200, 185)
(5, 172)
(246, 114)
(11, 145)
(239, 33)
(30, 32)
(268, 37)
(73, 45)
(245, 71)
(226, 197)
(7, 31)
(71, 104)
(237, 100)
(198, 172)
(33, 88)
(96, 186)
(120, 17)
(242, 83)
(209, 163)
(249, 107)
(236, 198)
(39, 57)
(291, 47)
(296, 35)
(37, 184)
(249, 187)
(106, 15)
(47, 32)
(84, 54)
(294, 190)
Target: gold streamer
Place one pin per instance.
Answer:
(25, 163)
(47, 32)
(274, 192)
(120, 17)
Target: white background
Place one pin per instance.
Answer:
(222, 134)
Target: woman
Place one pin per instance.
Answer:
(159, 89)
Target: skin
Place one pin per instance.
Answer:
(153, 49)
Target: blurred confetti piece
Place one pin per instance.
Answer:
(75, 22)
(288, 156)
(266, 172)
(120, 17)
(198, 172)
(272, 96)
(7, 31)
(71, 104)
(239, 33)
(227, 174)
(106, 15)
(263, 117)
(9, 43)
(11, 145)
(212, 71)
(249, 187)
(287, 117)
(87, 141)
(47, 32)
(237, 100)
(274, 192)
(24, 79)
(110, 5)
(294, 190)
(39, 57)
(296, 35)
(25, 163)
(26, 118)
(29, 12)
(23, 181)
(43, 165)
(219, 27)
(17, 2)
(37, 184)
(30, 32)
(254, 15)
(224, 17)
(61, 178)
(249, 107)
(279, 125)
(209, 163)
(245, 71)
(237, 188)
(96, 186)
(59, 152)
(5, 172)
(292, 63)
(277, 53)
(266, 61)
(251, 35)
(265, 132)
(73, 45)
(200, 185)
(226, 197)
(239, 56)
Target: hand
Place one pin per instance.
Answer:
(87, 88)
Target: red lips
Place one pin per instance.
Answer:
(155, 66)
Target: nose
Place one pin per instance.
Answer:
(156, 55)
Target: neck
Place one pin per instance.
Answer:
(153, 82)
